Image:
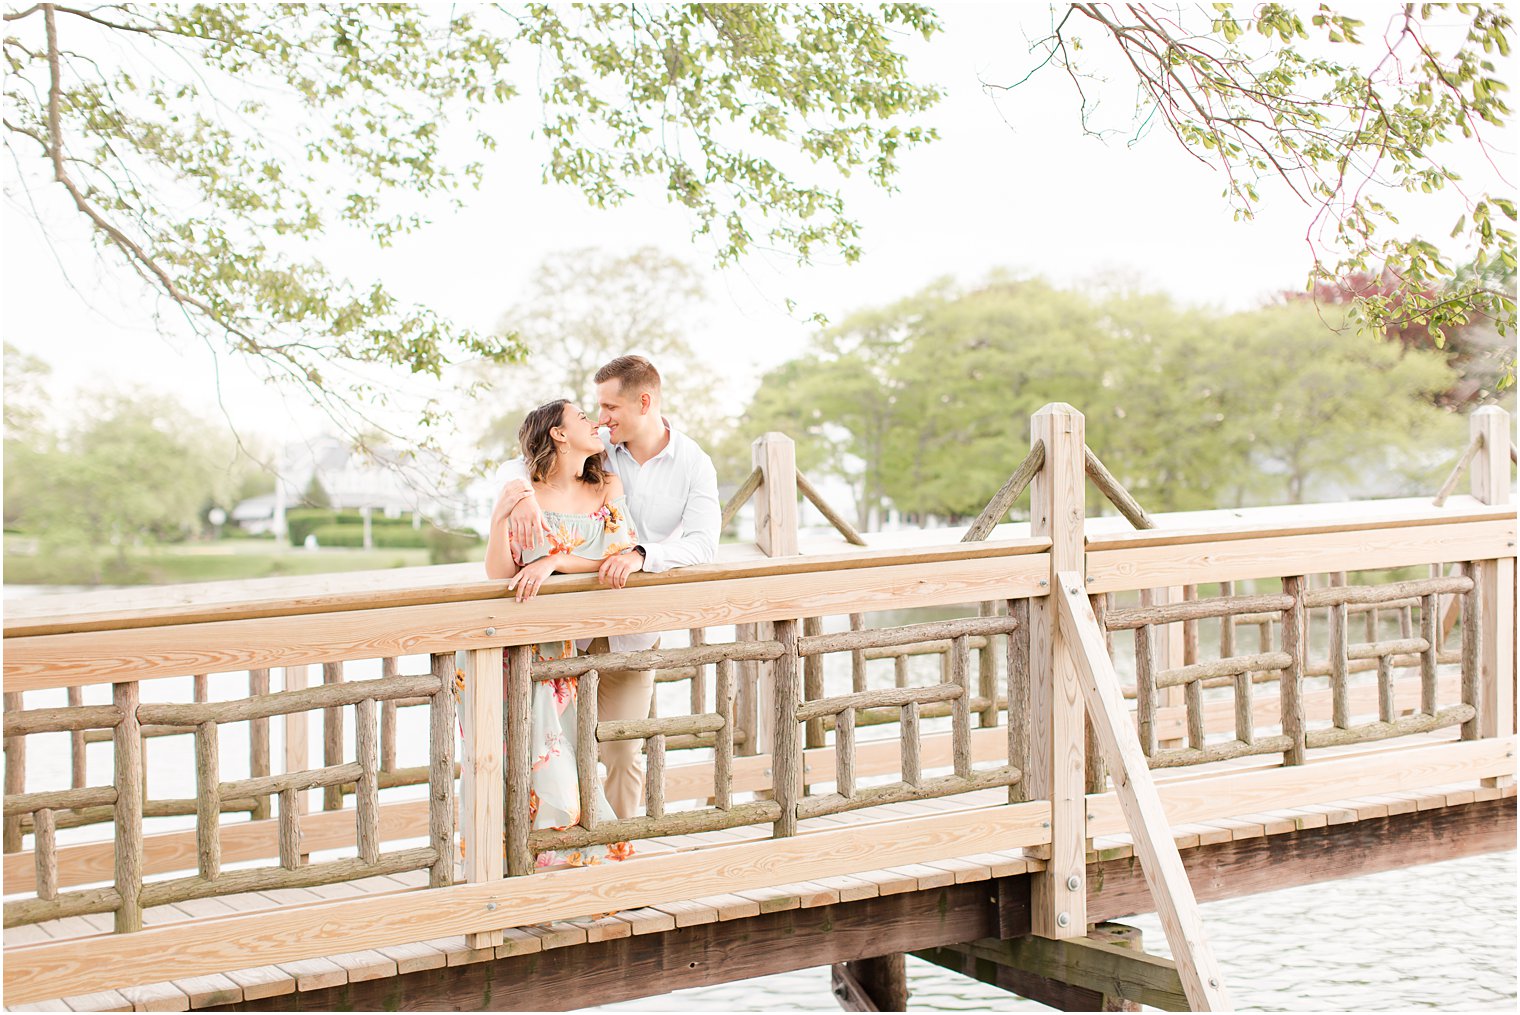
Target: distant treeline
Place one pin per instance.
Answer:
(924, 405)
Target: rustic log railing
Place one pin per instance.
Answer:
(1000, 692)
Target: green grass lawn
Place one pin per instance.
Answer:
(197, 562)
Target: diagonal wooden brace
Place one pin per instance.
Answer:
(1202, 980)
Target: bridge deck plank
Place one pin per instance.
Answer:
(106, 1000)
(647, 921)
(206, 991)
(156, 997)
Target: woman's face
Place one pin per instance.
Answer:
(579, 431)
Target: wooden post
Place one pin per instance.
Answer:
(960, 708)
(882, 980)
(786, 756)
(986, 672)
(258, 743)
(516, 758)
(1017, 679)
(367, 789)
(1170, 645)
(586, 746)
(812, 681)
(1291, 686)
(1058, 898)
(15, 774)
(1495, 584)
(1472, 654)
(776, 505)
(775, 456)
(747, 696)
(441, 774)
(723, 750)
(208, 801)
(296, 742)
(78, 759)
(332, 738)
(858, 663)
(389, 667)
(129, 809)
(480, 773)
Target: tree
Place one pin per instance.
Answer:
(1188, 409)
(1340, 114)
(1331, 414)
(585, 307)
(133, 471)
(212, 148)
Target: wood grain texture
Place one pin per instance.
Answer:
(1057, 772)
(129, 810)
(775, 456)
(92, 657)
(786, 757)
(1210, 558)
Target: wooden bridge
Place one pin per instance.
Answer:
(1307, 692)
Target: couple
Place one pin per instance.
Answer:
(642, 496)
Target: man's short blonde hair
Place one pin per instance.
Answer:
(633, 373)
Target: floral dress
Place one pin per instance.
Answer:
(554, 787)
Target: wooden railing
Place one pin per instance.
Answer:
(772, 694)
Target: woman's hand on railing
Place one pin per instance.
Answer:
(528, 580)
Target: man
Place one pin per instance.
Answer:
(672, 491)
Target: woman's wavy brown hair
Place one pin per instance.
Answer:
(538, 446)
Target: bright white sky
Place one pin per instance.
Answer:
(1012, 184)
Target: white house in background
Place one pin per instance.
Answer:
(351, 482)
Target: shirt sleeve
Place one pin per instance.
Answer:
(513, 470)
(698, 541)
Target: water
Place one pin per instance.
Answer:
(1438, 937)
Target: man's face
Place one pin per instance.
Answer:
(620, 411)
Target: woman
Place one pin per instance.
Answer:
(587, 516)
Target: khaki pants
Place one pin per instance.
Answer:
(623, 694)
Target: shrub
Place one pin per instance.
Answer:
(449, 547)
(383, 536)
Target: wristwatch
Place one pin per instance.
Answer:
(643, 553)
